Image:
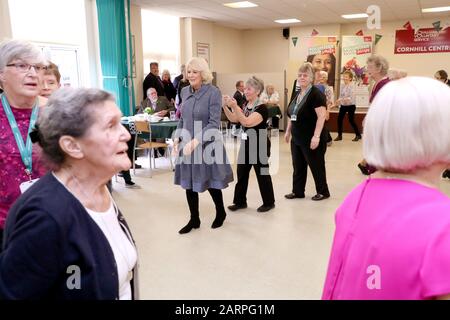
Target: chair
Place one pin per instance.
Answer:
(144, 127)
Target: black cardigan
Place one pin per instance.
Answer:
(48, 236)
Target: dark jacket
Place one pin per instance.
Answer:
(240, 99)
(152, 81)
(161, 104)
(48, 236)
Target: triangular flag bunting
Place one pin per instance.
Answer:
(408, 26)
(437, 26)
(377, 38)
(360, 33)
(314, 32)
(294, 40)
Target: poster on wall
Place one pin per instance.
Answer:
(355, 51)
(321, 52)
(203, 51)
(423, 40)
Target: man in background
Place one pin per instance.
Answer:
(152, 80)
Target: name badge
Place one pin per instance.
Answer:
(24, 186)
(294, 117)
(244, 136)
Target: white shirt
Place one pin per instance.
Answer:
(347, 95)
(124, 252)
(273, 98)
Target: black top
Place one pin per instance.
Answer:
(240, 99)
(169, 90)
(152, 81)
(256, 134)
(303, 128)
(49, 241)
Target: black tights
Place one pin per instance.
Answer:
(192, 199)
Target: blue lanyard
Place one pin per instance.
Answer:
(25, 150)
(297, 103)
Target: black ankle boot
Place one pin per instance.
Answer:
(218, 221)
(192, 224)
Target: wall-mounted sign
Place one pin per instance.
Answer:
(424, 40)
(203, 51)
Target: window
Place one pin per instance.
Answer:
(161, 41)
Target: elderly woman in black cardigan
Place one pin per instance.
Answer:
(65, 238)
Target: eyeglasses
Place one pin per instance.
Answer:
(25, 67)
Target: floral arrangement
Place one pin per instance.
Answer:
(149, 111)
(359, 73)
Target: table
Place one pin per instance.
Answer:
(160, 130)
(274, 111)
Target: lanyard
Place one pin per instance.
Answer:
(25, 149)
(301, 102)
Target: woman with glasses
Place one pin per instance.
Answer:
(307, 136)
(21, 68)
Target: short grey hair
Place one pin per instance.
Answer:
(406, 127)
(11, 50)
(323, 74)
(256, 83)
(380, 63)
(308, 68)
(200, 65)
(69, 112)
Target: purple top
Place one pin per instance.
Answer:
(12, 169)
(392, 241)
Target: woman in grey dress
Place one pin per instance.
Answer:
(202, 163)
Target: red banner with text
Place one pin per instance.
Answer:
(424, 40)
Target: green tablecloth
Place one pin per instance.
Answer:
(274, 111)
(160, 130)
(164, 129)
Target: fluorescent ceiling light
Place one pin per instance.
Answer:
(241, 4)
(355, 16)
(437, 9)
(287, 21)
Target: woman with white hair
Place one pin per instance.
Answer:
(65, 238)
(202, 164)
(307, 113)
(392, 238)
(255, 145)
(377, 69)
(22, 67)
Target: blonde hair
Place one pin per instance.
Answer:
(200, 64)
(406, 127)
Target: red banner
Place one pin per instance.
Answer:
(425, 40)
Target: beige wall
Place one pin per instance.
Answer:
(265, 50)
(5, 23)
(136, 31)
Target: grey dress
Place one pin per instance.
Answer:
(208, 166)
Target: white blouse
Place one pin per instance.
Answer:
(124, 251)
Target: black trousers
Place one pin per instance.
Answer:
(302, 157)
(1, 240)
(192, 199)
(126, 174)
(264, 183)
(351, 118)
